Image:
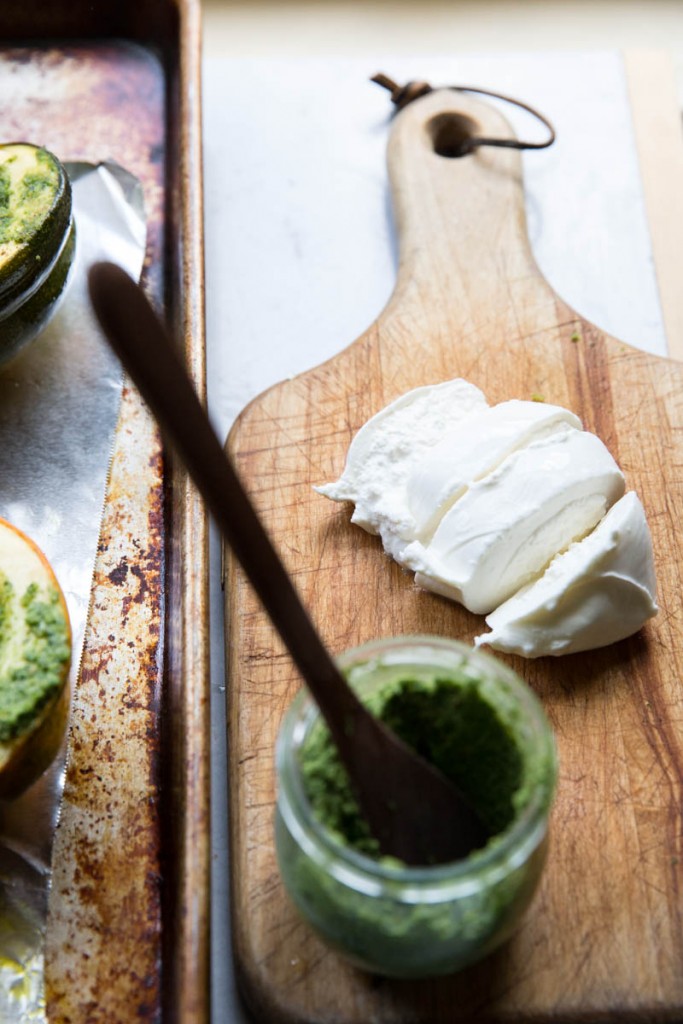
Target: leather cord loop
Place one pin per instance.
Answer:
(402, 95)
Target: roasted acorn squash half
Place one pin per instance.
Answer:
(35, 656)
(36, 241)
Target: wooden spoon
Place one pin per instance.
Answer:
(414, 812)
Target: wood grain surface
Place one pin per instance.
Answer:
(604, 937)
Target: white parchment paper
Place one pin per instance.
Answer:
(59, 403)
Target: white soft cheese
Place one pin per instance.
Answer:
(599, 591)
(386, 449)
(505, 508)
(507, 527)
(472, 448)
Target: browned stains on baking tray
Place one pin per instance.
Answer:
(105, 924)
(100, 101)
(127, 935)
(96, 101)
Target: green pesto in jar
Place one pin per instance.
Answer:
(449, 723)
(477, 722)
(34, 651)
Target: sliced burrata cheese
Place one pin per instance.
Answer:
(473, 447)
(508, 526)
(600, 590)
(386, 449)
(513, 510)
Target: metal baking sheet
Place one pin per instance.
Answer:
(127, 932)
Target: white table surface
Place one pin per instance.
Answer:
(301, 255)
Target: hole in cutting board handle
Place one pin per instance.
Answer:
(450, 134)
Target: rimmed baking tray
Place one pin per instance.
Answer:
(128, 927)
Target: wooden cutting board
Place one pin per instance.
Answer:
(604, 936)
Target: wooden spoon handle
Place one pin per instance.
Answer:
(141, 342)
(382, 769)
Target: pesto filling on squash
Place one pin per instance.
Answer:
(29, 184)
(34, 652)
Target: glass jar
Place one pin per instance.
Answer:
(382, 915)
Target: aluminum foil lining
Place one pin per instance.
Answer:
(59, 404)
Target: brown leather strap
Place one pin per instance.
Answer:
(402, 95)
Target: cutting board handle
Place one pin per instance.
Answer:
(460, 219)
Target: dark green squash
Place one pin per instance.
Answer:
(36, 241)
